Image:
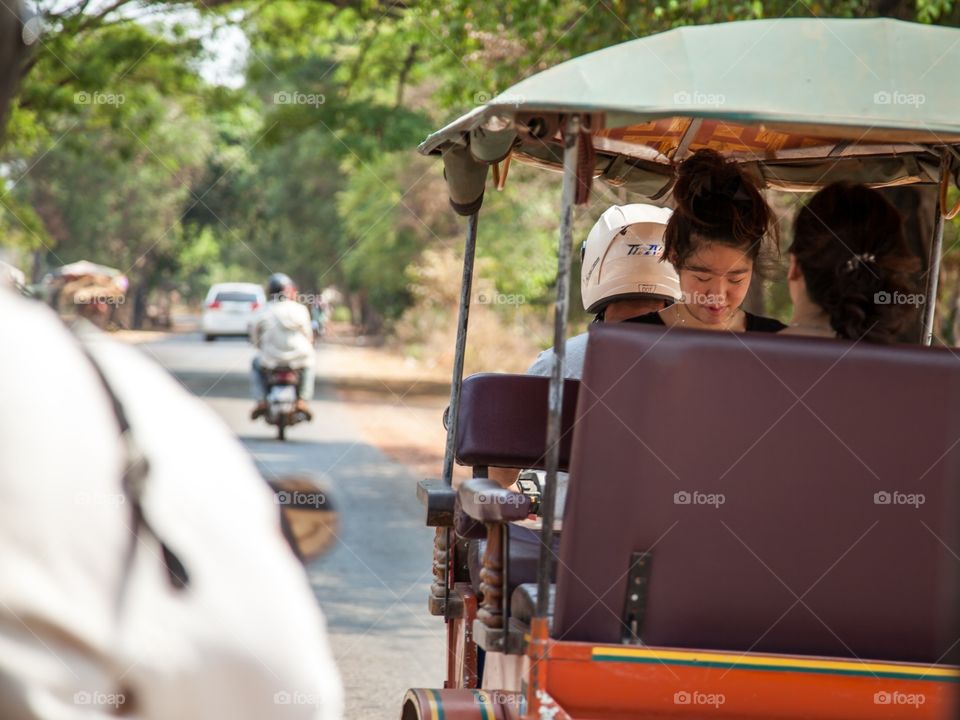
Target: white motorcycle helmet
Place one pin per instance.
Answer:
(621, 257)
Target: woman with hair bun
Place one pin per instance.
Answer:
(716, 240)
(852, 274)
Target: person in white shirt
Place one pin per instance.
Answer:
(283, 332)
(144, 571)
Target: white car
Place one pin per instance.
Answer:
(229, 307)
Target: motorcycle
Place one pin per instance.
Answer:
(282, 384)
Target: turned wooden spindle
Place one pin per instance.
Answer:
(438, 587)
(491, 579)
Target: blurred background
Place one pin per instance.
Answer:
(182, 145)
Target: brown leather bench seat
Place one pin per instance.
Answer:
(795, 495)
(502, 422)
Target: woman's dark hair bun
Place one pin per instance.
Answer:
(717, 201)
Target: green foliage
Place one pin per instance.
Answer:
(118, 151)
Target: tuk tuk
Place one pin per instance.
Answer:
(784, 543)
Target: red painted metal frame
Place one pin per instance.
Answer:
(582, 681)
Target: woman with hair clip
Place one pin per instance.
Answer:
(852, 274)
(716, 241)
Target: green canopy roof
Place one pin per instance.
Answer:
(778, 94)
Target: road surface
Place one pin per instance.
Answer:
(373, 585)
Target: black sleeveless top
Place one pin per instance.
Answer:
(755, 323)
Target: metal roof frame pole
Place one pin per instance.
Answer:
(571, 135)
(456, 383)
(933, 262)
(466, 292)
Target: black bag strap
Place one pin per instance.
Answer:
(136, 472)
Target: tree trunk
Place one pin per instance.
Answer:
(139, 305)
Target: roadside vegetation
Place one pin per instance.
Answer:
(123, 150)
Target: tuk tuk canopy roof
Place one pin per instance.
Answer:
(803, 102)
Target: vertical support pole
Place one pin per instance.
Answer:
(555, 403)
(933, 260)
(466, 292)
(453, 410)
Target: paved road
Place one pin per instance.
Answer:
(373, 585)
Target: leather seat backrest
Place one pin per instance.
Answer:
(796, 495)
(502, 421)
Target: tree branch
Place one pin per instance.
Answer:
(405, 71)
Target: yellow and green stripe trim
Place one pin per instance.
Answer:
(776, 664)
(485, 704)
(482, 697)
(436, 706)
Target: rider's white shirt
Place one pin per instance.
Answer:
(245, 640)
(283, 332)
(575, 353)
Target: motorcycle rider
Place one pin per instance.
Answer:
(283, 333)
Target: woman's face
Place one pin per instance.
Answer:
(714, 281)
